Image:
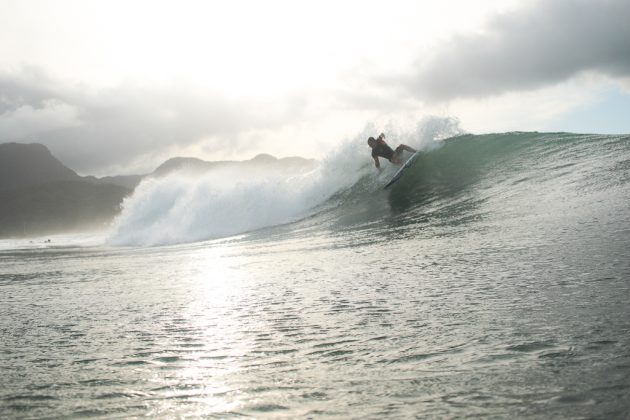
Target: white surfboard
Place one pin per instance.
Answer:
(402, 170)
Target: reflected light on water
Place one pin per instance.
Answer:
(216, 343)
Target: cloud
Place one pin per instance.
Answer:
(528, 49)
(28, 120)
(92, 131)
(29, 87)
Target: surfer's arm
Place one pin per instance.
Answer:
(376, 162)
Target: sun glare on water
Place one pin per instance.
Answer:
(216, 287)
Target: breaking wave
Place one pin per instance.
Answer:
(344, 191)
(183, 207)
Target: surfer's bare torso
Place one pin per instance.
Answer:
(382, 149)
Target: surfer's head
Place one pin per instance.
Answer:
(371, 142)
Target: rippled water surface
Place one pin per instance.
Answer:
(504, 296)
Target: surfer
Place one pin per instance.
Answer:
(382, 149)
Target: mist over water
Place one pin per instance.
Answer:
(492, 280)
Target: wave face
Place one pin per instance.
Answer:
(535, 165)
(515, 172)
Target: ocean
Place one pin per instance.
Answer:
(493, 280)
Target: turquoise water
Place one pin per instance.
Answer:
(493, 280)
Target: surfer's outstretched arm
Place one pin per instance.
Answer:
(376, 162)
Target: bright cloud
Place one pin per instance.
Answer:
(538, 46)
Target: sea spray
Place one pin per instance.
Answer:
(181, 207)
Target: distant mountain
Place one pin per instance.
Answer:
(194, 165)
(25, 165)
(40, 195)
(58, 207)
(186, 164)
(127, 181)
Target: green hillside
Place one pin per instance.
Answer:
(59, 206)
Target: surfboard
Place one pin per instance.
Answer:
(402, 170)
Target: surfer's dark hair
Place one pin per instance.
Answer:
(371, 139)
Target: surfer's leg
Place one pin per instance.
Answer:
(407, 148)
(398, 153)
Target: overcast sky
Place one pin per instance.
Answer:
(119, 86)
